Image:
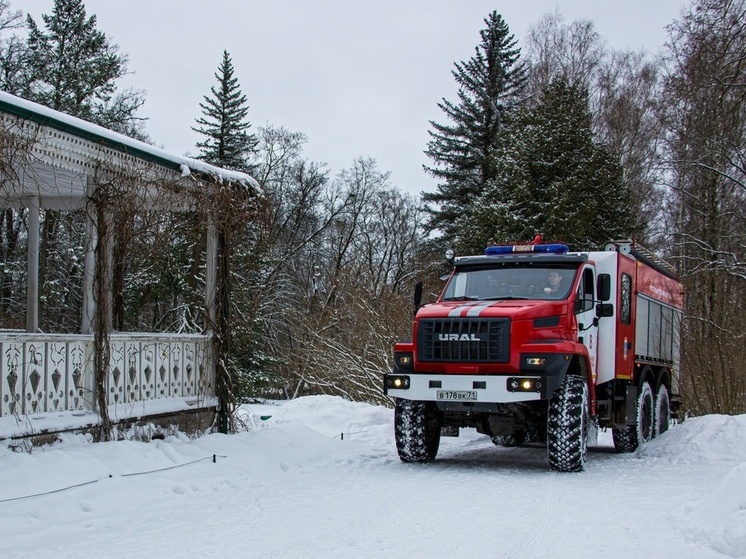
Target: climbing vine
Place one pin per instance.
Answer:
(152, 231)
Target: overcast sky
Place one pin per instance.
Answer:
(358, 78)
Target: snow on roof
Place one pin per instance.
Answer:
(87, 130)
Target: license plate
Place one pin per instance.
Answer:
(457, 395)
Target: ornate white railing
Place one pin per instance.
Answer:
(54, 372)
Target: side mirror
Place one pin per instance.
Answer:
(603, 287)
(417, 296)
(604, 309)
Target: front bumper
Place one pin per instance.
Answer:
(538, 376)
(472, 388)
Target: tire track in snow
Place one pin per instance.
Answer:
(544, 522)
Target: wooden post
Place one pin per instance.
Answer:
(211, 258)
(91, 235)
(107, 305)
(212, 253)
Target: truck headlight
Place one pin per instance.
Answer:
(403, 360)
(535, 361)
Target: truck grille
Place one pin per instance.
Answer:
(464, 339)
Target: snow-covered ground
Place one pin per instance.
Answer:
(320, 478)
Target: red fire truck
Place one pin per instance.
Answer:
(534, 343)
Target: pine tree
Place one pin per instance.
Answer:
(490, 86)
(554, 179)
(228, 143)
(73, 68)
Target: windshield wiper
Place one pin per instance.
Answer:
(462, 298)
(506, 298)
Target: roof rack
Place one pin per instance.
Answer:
(630, 246)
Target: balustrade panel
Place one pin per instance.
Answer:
(56, 368)
(55, 373)
(11, 378)
(134, 378)
(34, 379)
(163, 373)
(115, 389)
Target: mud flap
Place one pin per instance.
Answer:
(631, 405)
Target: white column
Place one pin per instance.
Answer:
(32, 270)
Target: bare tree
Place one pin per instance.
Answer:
(339, 262)
(628, 93)
(705, 115)
(573, 53)
(371, 266)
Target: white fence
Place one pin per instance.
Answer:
(54, 372)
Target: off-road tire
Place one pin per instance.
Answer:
(417, 430)
(631, 437)
(567, 425)
(662, 410)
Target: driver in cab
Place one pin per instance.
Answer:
(554, 278)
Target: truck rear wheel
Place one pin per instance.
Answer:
(662, 411)
(631, 437)
(417, 430)
(567, 425)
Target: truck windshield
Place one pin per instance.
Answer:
(510, 282)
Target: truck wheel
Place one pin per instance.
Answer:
(631, 437)
(662, 411)
(417, 430)
(567, 425)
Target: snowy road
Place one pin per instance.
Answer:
(295, 487)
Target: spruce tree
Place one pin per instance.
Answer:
(73, 68)
(553, 178)
(227, 141)
(490, 86)
(229, 145)
(13, 74)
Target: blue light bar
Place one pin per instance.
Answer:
(553, 248)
